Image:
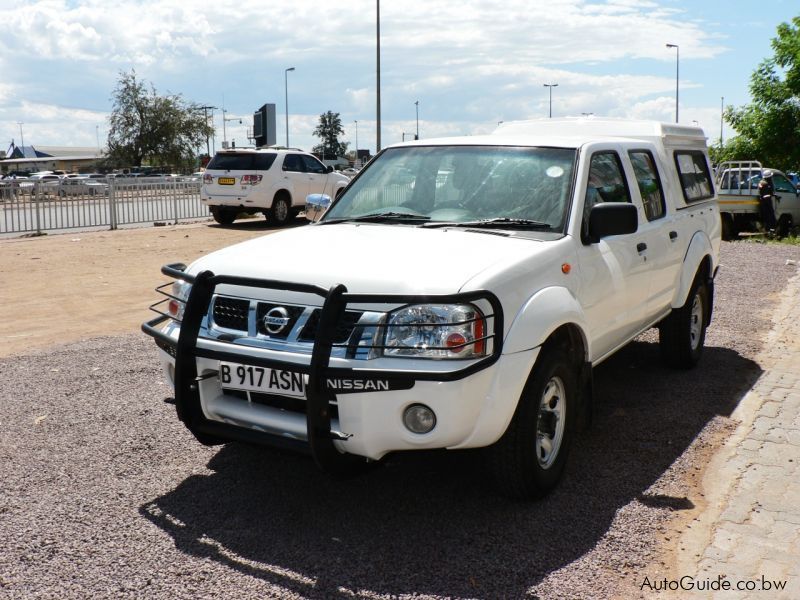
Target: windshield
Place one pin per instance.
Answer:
(463, 184)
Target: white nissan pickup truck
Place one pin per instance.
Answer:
(457, 294)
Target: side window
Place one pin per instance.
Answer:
(606, 183)
(695, 178)
(782, 184)
(313, 165)
(293, 162)
(644, 166)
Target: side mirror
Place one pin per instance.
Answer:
(316, 205)
(329, 169)
(612, 218)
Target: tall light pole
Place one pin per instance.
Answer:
(286, 99)
(721, 117)
(356, 122)
(205, 110)
(417, 105)
(677, 75)
(21, 139)
(551, 86)
(378, 72)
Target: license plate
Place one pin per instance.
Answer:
(262, 379)
(226, 180)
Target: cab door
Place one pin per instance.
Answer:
(789, 201)
(615, 274)
(317, 176)
(666, 242)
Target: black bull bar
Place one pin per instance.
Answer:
(318, 394)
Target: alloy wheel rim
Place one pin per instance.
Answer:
(550, 422)
(281, 210)
(696, 321)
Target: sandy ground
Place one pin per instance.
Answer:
(45, 299)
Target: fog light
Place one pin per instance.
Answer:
(419, 418)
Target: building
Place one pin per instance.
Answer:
(50, 158)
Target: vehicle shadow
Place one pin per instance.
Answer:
(429, 522)
(258, 222)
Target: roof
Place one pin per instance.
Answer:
(577, 131)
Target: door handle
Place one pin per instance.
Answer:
(641, 247)
(673, 235)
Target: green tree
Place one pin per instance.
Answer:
(146, 127)
(329, 130)
(769, 128)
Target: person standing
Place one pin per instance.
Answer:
(766, 191)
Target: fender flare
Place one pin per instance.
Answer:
(543, 313)
(699, 250)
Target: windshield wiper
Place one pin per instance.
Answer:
(378, 218)
(496, 223)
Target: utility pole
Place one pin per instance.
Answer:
(378, 72)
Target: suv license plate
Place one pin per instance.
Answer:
(226, 180)
(262, 379)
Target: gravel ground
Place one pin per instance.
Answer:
(104, 494)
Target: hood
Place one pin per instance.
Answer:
(370, 258)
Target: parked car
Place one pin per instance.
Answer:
(456, 295)
(82, 186)
(45, 182)
(269, 181)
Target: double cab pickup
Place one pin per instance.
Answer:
(457, 294)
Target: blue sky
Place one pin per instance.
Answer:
(469, 63)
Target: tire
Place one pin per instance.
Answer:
(527, 462)
(729, 230)
(683, 333)
(223, 216)
(281, 212)
(784, 226)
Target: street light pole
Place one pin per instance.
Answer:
(551, 86)
(286, 99)
(677, 75)
(417, 105)
(356, 122)
(205, 110)
(378, 72)
(721, 117)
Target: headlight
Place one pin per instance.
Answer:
(436, 331)
(177, 304)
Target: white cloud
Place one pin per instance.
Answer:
(470, 63)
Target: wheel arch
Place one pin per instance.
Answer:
(550, 310)
(697, 260)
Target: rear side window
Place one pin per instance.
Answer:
(694, 174)
(246, 161)
(649, 183)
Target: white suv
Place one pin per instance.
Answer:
(270, 181)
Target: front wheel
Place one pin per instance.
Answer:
(683, 333)
(527, 462)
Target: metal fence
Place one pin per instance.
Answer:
(37, 206)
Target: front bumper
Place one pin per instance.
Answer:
(473, 399)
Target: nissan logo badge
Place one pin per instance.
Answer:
(276, 320)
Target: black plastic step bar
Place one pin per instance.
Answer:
(320, 437)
